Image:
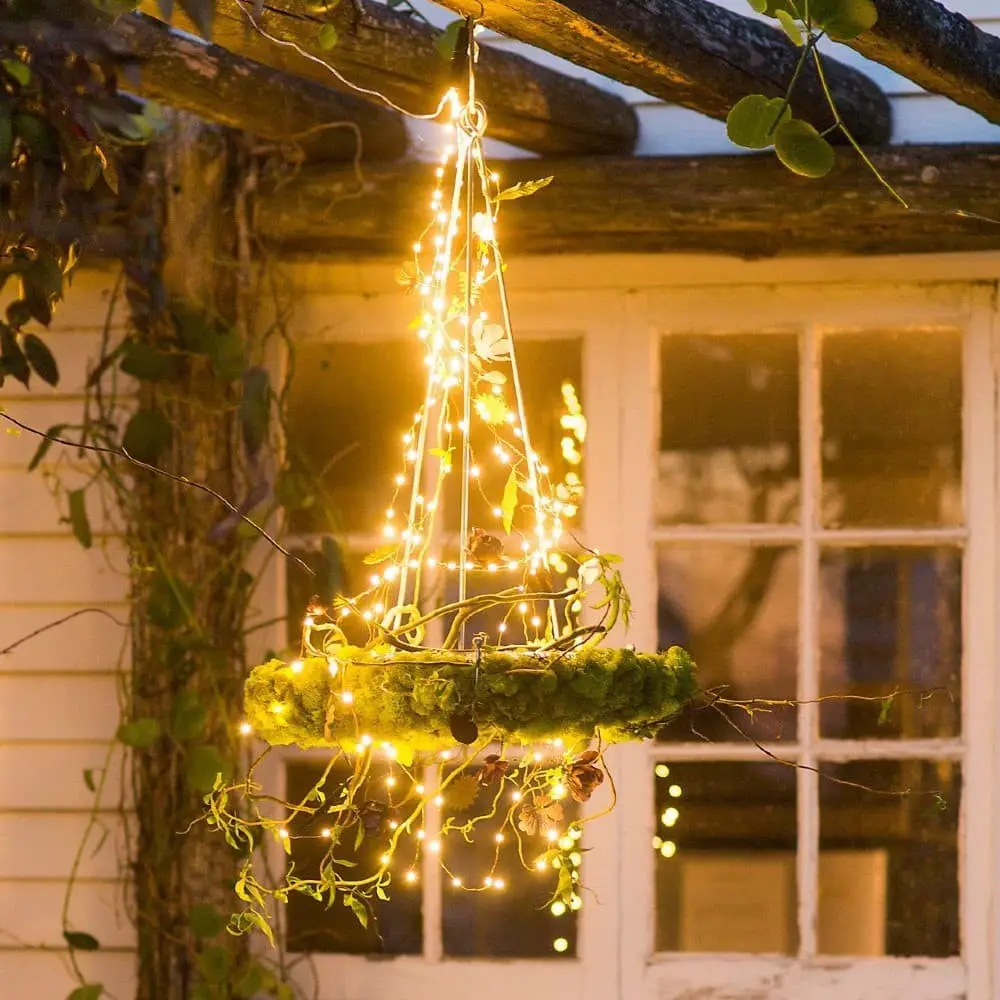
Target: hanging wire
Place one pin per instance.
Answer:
(468, 124)
(357, 88)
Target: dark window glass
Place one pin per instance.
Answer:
(892, 428)
(396, 929)
(889, 858)
(729, 429)
(725, 858)
(891, 620)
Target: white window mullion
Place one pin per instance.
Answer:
(977, 865)
(807, 783)
(636, 468)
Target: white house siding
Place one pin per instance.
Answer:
(58, 695)
(665, 130)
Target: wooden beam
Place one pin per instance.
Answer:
(688, 52)
(744, 206)
(220, 87)
(529, 106)
(939, 49)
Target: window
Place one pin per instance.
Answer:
(348, 401)
(801, 483)
(820, 476)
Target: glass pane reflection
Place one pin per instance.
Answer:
(349, 405)
(725, 858)
(889, 861)
(891, 619)
(515, 922)
(396, 929)
(892, 428)
(735, 608)
(729, 429)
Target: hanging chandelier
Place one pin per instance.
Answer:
(478, 644)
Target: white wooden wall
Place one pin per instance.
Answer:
(918, 117)
(58, 695)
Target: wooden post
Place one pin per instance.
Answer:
(188, 593)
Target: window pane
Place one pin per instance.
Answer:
(725, 864)
(543, 366)
(735, 608)
(891, 620)
(517, 921)
(729, 429)
(337, 572)
(396, 929)
(892, 428)
(360, 397)
(889, 861)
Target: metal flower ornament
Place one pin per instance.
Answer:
(472, 669)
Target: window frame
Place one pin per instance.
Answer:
(620, 328)
(813, 310)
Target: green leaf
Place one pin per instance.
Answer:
(494, 378)
(88, 779)
(12, 359)
(201, 12)
(790, 27)
(524, 189)
(447, 42)
(508, 505)
(381, 554)
(78, 518)
(188, 718)
(203, 765)
(206, 921)
(225, 351)
(80, 941)
(214, 963)
(327, 37)
(148, 435)
(802, 149)
(255, 409)
(758, 6)
(169, 601)
(844, 19)
(143, 361)
(358, 908)
(752, 121)
(250, 983)
(6, 137)
(90, 991)
(17, 70)
(43, 449)
(139, 734)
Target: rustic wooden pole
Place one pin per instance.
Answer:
(689, 52)
(942, 51)
(227, 89)
(742, 205)
(530, 106)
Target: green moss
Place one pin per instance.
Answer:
(409, 698)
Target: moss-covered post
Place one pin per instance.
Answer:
(188, 585)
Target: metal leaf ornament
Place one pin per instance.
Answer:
(584, 776)
(494, 769)
(537, 813)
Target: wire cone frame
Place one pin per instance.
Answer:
(469, 678)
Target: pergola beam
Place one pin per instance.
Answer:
(227, 89)
(688, 52)
(741, 205)
(529, 105)
(942, 51)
